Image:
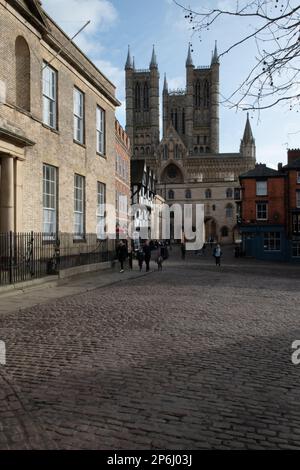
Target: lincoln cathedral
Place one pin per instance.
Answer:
(186, 160)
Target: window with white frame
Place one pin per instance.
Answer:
(261, 188)
(298, 199)
(296, 249)
(79, 208)
(49, 199)
(101, 201)
(261, 211)
(100, 125)
(49, 96)
(296, 223)
(272, 241)
(78, 102)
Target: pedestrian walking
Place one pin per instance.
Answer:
(147, 254)
(217, 253)
(160, 256)
(140, 257)
(122, 254)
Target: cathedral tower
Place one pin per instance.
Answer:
(142, 107)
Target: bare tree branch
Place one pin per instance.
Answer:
(275, 77)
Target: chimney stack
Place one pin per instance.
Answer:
(279, 167)
(293, 154)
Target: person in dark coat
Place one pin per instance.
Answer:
(147, 253)
(140, 257)
(122, 254)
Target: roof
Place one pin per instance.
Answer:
(294, 165)
(261, 171)
(137, 171)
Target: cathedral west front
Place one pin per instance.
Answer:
(186, 160)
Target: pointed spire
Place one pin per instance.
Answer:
(133, 63)
(128, 64)
(189, 60)
(153, 63)
(248, 136)
(165, 83)
(215, 57)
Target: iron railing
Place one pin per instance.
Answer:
(26, 256)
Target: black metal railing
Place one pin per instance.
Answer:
(26, 256)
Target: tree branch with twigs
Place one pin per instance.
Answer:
(275, 30)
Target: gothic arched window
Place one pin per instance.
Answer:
(206, 94)
(197, 94)
(174, 119)
(165, 152)
(146, 96)
(183, 121)
(229, 210)
(208, 194)
(229, 193)
(171, 194)
(22, 56)
(137, 97)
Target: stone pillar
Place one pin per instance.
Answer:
(7, 194)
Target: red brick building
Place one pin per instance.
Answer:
(122, 176)
(269, 214)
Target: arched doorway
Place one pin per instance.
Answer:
(210, 229)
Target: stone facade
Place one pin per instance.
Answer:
(29, 40)
(186, 160)
(123, 191)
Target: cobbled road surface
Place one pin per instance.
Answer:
(195, 357)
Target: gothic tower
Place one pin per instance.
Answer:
(142, 107)
(248, 148)
(194, 111)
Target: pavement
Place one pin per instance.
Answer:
(194, 357)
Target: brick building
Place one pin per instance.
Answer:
(57, 128)
(123, 157)
(269, 213)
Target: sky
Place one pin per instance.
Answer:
(115, 24)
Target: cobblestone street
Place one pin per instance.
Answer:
(194, 357)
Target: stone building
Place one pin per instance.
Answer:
(57, 128)
(123, 190)
(186, 160)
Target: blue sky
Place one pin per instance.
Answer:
(141, 23)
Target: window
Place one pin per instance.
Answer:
(79, 206)
(22, 55)
(229, 211)
(197, 94)
(298, 177)
(261, 188)
(206, 93)
(296, 249)
(261, 211)
(229, 193)
(78, 103)
(177, 155)
(188, 194)
(101, 200)
(146, 96)
(100, 124)
(298, 199)
(49, 96)
(165, 152)
(49, 199)
(137, 97)
(224, 231)
(237, 193)
(296, 223)
(171, 194)
(208, 194)
(272, 241)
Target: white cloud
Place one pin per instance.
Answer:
(176, 83)
(67, 13)
(114, 74)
